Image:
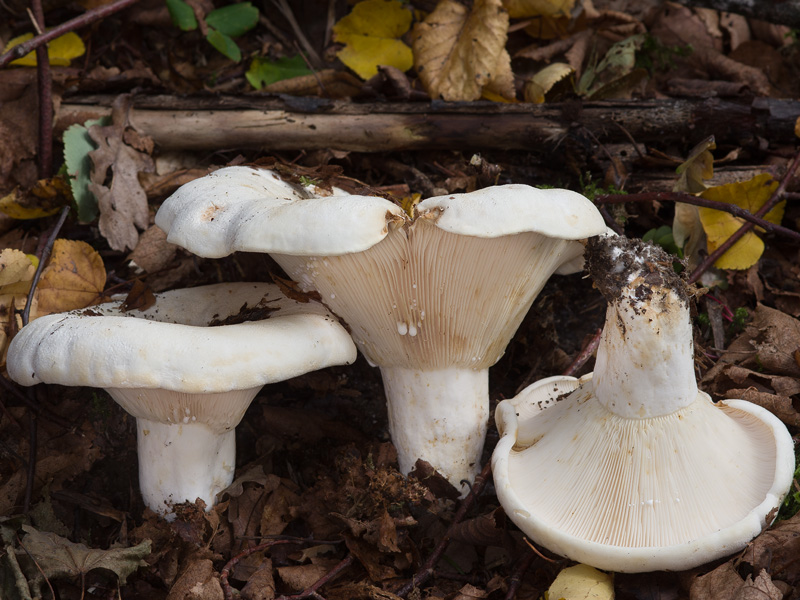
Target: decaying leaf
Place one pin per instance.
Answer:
(719, 584)
(459, 51)
(518, 9)
(16, 272)
(59, 52)
(582, 582)
(77, 146)
(56, 557)
(370, 34)
(123, 203)
(198, 581)
(543, 81)
(74, 278)
(45, 198)
(719, 226)
(777, 549)
(698, 167)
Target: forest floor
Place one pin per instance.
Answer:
(617, 100)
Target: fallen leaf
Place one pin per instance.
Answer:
(719, 584)
(470, 592)
(261, 584)
(543, 81)
(198, 581)
(300, 577)
(16, 273)
(760, 588)
(263, 72)
(370, 34)
(60, 51)
(140, 297)
(77, 146)
(698, 167)
(719, 226)
(74, 278)
(459, 51)
(123, 204)
(777, 549)
(56, 557)
(45, 198)
(582, 582)
(522, 9)
(153, 252)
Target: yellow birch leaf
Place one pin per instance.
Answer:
(60, 51)
(582, 582)
(74, 278)
(45, 198)
(719, 226)
(523, 9)
(370, 34)
(458, 51)
(543, 81)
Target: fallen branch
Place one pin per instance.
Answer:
(267, 124)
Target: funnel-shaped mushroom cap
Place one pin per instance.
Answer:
(616, 475)
(187, 368)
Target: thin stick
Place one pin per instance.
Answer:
(584, 355)
(776, 197)
(515, 581)
(427, 569)
(43, 259)
(71, 25)
(736, 211)
(45, 88)
(311, 592)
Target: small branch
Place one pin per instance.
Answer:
(26, 313)
(584, 355)
(427, 569)
(736, 211)
(522, 566)
(776, 197)
(71, 25)
(311, 592)
(45, 88)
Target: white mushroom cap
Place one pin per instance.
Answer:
(631, 469)
(633, 495)
(171, 347)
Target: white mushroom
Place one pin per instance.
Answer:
(186, 377)
(432, 299)
(632, 468)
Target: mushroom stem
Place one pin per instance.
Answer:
(440, 416)
(183, 462)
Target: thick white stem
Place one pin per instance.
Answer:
(183, 462)
(645, 361)
(439, 416)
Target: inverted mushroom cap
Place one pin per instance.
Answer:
(631, 470)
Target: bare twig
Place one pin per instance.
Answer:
(584, 355)
(776, 197)
(736, 211)
(311, 592)
(45, 88)
(286, 11)
(26, 313)
(71, 25)
(522, 566)
(427, 569)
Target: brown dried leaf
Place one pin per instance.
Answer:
(261, 584)
(277, 511)
(369, 558)
(458, 51)
(760, 588)
(716, 585)
(470, 592)
(74, 278)
(780, 406)
(123, 205)
(197, 582)
(777, 549)
(300, 577)
(140, 297)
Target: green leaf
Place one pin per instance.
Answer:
(77, 145)
(224, 44)
(182, 15)
(263, 72)
(233, 20)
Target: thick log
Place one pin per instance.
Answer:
(303, 124)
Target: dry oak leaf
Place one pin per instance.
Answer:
(777, 549)
(74, 278)
(459, 51)
(123, 204)
(518, 9)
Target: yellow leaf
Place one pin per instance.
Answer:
(459, 51)
(60, 51)
(522, 9)
(45, 198)
(16, 272)
(74, 278)
(582, 582)
(370, 34)
(696, 168)
(719, 226)
(544, 80)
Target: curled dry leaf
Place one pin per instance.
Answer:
(716, 585)
(777, 550)
(459, 51)
(538, 8)
(197, 582)
(74, 278)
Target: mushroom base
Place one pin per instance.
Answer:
(439, 416)
(183, 462)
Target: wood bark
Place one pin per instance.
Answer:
(309, 124)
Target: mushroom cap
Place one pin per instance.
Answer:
(170, 346)
(253, 210)
(631, 495)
